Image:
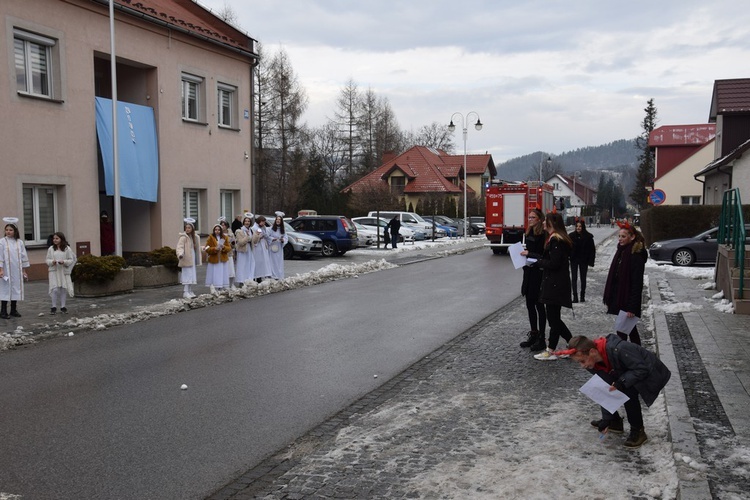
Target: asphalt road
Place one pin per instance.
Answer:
(103, 416)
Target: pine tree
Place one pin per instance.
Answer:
(645, 175)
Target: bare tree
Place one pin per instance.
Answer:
(228, 14)
(347, 108)
(435, 135)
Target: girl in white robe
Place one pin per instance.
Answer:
(13, 260)
(276, 241)
(218, 249)
(189, 257)
(260, 250)
(230, 261)
(60, 262)
(245, 268)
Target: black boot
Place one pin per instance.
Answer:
(531, 339)
(13, 311)
(539, 345)
(4, 310)
(583, 295)
(575, 297)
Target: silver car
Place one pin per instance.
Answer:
(303, 245)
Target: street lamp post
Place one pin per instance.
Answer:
(541, 163)
(576, 174)
(452, 127)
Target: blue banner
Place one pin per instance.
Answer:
(137, 147)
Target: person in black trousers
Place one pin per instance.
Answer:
(555, 292)
(532, 282)
(395, 227)
(581, 257)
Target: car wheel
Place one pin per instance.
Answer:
(683, 257)
(288, 251)
(329, 249)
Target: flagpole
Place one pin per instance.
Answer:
(117, 217)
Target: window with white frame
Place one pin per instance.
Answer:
(226, 199)
(33, 55)
(691, 200)
(192, 89)
(39, 213)
(227, 102)
(191, 206)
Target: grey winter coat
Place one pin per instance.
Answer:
(635, 366)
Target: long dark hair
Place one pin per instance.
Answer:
(63, 241)
(539, 228)
(279, 227)
(555, 221)
(584, 231)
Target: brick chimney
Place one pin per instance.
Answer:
(388, 156)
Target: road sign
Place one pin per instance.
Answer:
(657, 197)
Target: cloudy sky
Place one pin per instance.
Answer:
(542, 74)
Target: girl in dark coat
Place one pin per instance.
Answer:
(625, 279)
(581, 257)
(532, 282)
(555, 291)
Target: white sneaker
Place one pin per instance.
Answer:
(546, 355)
(186, 295)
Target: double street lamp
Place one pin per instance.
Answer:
(576, 175)
(542, 161)
(451, 128)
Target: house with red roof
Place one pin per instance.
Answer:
(424, 171)
(183, 88)
(679, 152)
(730, 166)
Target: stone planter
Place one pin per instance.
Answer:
(153, 277)
(123, 283)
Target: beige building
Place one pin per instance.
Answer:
(184, 82)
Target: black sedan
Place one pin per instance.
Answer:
(700, 249)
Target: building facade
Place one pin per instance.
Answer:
(183, 83)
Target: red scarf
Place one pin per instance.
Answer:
(601, 346)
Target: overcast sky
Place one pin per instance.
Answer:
(543, 75)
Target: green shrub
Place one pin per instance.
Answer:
(164, 256)
(95, 269)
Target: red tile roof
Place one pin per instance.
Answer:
(730, 96)
(191, 17)
(682, 135)
(428, 170)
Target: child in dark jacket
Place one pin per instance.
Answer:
(629, 368)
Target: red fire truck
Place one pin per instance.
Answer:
(507, 210)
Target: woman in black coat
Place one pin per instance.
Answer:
(581, 257)
(555, 291)
(532, 282)
(624, 286)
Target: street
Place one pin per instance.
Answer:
(103, 416)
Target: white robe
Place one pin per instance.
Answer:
(276, 239)
(261, 254)
(59, 274)
(218, 274)
(13, 259)
(245, 268)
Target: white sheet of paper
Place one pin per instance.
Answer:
(624, 324)
(515, 255)
(598, 391)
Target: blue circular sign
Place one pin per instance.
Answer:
(657, 197)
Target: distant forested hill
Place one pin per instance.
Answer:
(620, 155)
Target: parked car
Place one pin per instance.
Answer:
(405, 233)
(479, 222)
(701, 248)
(337, 232)
(412, 221)
(302, 245)
(366, 235)
(473, 228)
(450, 231)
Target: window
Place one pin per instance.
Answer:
(33, 59)
(226, 199)
(191, 206)
(691, 200)
(397, 185)
(192, 87)
(39, 214)
(226, 99)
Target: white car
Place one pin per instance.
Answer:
(367, 235)
(406, 234)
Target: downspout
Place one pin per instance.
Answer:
(253, 173)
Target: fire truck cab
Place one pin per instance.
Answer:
(507, 210)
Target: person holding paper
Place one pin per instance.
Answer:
(555, 291)
(629, 368)
(532, 282)
(624, 286)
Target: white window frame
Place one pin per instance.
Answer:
(691, 200)
(226, 204)
(29, 41)
(196, 83)
(226, 93)
(32, 222)
(192, 197)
